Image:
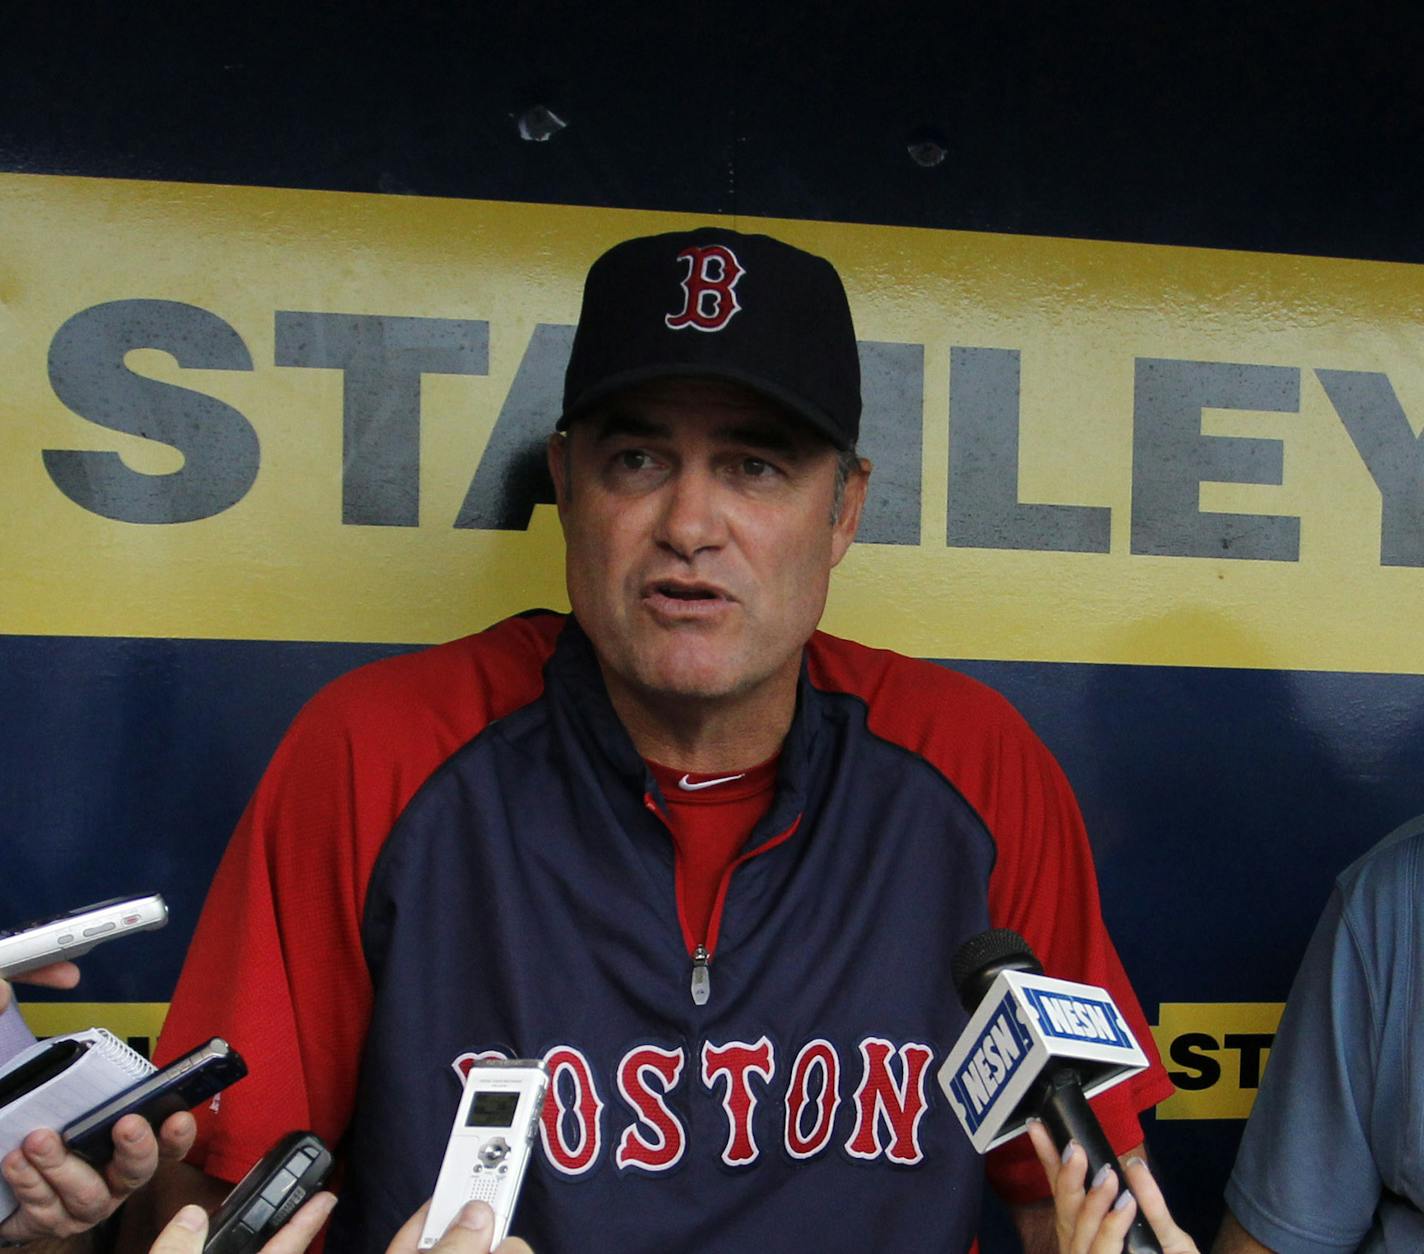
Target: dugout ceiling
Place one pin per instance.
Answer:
(1274, 127)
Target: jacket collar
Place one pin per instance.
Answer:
(574, 680)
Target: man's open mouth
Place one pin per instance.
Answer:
(686, 594)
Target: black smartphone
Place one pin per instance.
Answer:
(183, 1084)
(266, 1197)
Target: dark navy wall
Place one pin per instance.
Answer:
(1273, 127)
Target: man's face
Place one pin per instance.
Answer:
(697, 519)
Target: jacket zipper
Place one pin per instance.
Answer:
(701, 986)
(701, 980)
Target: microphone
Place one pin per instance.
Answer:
(1036, 1047)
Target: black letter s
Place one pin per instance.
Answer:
(1186, 1052)
(87, 372)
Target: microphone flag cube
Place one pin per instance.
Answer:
(1025, 1025)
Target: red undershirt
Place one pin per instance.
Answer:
(709, 826)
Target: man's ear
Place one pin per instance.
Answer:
(556, 451)
(852, 503)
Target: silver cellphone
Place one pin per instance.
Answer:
(490, 1144)
(63, 936)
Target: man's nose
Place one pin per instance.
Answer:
(693, 516)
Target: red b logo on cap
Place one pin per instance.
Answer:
(709, 290)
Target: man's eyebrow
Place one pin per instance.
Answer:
(615, 424)
(775, 437)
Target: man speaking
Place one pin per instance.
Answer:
(708, 863)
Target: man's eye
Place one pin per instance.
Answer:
(633, 459)
(755, 468)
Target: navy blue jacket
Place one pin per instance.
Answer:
(523, 903)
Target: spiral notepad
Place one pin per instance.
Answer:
(55, 1081)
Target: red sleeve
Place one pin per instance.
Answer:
(1043, 884)
(1044, 887)
(276, 965)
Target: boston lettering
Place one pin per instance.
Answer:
(882, 1120)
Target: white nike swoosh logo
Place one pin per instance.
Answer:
(686, 784)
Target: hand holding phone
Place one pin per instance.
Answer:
(66, 1195)
(187, 1231)
(268, 1195)
(61, 937)
(181, 1085)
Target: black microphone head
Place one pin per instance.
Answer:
(978, 961)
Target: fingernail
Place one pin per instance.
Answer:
(1102, 1177)
(1123, 1199)
(42, 1144)
(475, 1216)
(193, 1218)
(1032, 1119)
(1136, 1161)
(1068, 1150)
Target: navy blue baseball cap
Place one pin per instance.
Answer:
(717, 304)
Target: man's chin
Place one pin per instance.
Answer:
(683, 687)
(686, 679)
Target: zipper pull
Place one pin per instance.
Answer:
(701, 981)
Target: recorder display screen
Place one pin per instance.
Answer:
(492, 1109)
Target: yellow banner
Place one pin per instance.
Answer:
(1215, 1053)
(276, 414)
(137, 1022)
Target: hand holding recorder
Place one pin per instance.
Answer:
(489, 1146)
(470, 1232)
(188, 1231)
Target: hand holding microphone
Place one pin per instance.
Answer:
(1037, 1048)
(1094, 1217)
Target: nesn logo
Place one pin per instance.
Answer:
(1078, 1018)
(991, 1061)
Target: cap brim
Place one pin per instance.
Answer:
(798, 406)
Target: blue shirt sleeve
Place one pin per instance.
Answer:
(1305, 1178)
(15, 1034)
